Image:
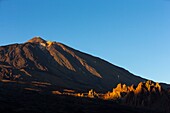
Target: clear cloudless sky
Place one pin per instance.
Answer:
(133, 34)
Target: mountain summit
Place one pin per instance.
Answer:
(37, 40)
(44, 61)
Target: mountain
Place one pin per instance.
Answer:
(41, 76)
(55, 63)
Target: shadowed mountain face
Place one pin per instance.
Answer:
(60, 65)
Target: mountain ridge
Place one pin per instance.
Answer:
(63, 66)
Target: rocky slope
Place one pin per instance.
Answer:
(55, 63)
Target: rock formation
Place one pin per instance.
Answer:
(147, 95)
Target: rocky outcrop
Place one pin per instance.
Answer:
(143, 89)
(147, 95)
(92, 94)
(120, 91)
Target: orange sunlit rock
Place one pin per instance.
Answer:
(56, 92)
(92, 94)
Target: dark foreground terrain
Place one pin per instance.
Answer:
(24, 98)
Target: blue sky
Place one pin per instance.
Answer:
(133, 34)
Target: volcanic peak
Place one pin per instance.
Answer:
(40, 41)
(37, 39)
